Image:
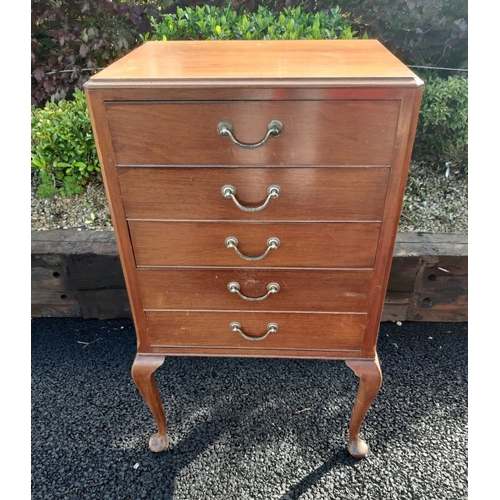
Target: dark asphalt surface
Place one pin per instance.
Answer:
(246, 428)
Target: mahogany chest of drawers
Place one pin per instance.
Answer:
(255, 189)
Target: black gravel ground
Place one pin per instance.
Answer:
(246, 428)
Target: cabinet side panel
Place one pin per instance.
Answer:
(405, 136)
(113, 193)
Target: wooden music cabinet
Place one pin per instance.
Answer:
(255, 188)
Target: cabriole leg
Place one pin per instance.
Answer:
(143, 370)
(370, 380)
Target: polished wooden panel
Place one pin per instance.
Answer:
(324, 193)
(311, 290)
(241, 60)
(296, 330)
(312, 90)
(256, 352)
(315, 132)
(342, 244)
(103, 143)
(407, 125)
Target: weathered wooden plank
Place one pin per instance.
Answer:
(66, 264)
(104, 303)
(439, 244)
(94, 271)
(403, 272)
(73, 241)
(441, 290)
(396, 306)
(49, 303)
(47, 276)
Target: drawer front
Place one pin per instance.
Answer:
(209, 289)
(343, 244)
(295, 330)
(325, 193)
(345, 132)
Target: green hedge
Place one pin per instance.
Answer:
(442, 131)
(215, 23)
(63, 150)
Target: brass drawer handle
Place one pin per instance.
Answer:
(232, 242)
(271, 328)
(273, 191)
(225, 129)
(234, 287)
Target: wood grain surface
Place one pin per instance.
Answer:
(342, 244)
(315, 132)
(296, 331)
(310, 290)
(237, 60)
(322, 193)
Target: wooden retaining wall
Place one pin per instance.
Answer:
(78, 274)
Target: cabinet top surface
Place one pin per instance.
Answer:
(257, 60)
